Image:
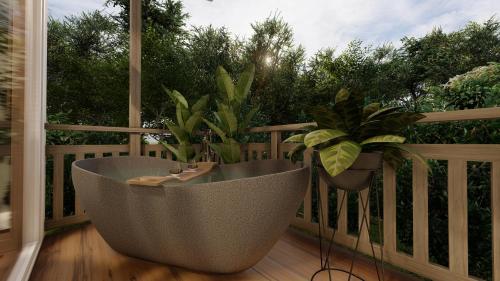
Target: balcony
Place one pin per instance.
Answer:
(295, 256)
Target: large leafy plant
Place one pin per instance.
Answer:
(188, 121)
(230, 122)
(349, 128)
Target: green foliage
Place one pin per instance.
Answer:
(230, 122)
(348, 128)
(479, 87)
(188, 122)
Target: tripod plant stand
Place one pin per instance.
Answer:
(325, 250)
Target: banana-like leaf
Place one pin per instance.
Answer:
(225, 83)
(176, 97)
(337, 158)
(342, 95)
(216, 129)
(200, 104)
(178, 132)
(246, 120)
(415, 154)
(382, 112)
(180, 155)
(244, 83)
(229, 152)
(179, 115)
(296, 138)
(321, 136)
(229, 118)
(384, 138)
(193, 122)
(370, 109)
(295, 153)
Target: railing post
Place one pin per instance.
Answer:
(275, 144)
(420, 213)
(389, 209)
(135, 76)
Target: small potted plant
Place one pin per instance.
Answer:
(351, 140)
(230, 122)
(188, 121)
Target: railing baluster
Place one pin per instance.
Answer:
(78, 207)
(323, 188)
(307, 198)
(275, 144)
(58, 186)
(420, 213)
(495, 209)
(389, 209)
(342, 215)
(457, 216)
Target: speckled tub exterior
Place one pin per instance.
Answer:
(223, 227)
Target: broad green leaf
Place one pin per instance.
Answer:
(337, 158)
(296, 152)
(186, 151)
(248, 117)
(229, 152)
(225, 83)
(296, 138)
(216, 129)
(229, 118)
(326, 118)
(193, 122)
(382, 112)
(176, 97)
(384, 138)
(370, 109)
(181, 156)
(178, 113)
(200, 104)
(321, 136)
(178, 132)
(342, 95)
(245, 82)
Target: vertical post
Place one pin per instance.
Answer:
(275, 145)
(342, 214)
(308, 198)
(457, 216)
(58, 187)
(495, 209)
(135, 76)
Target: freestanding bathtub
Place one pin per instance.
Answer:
(224, 221)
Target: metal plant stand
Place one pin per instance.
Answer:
(325, 250)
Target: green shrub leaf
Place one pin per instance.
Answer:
(225, 83)
(337, 158)
(245, 82)
(384, 138)
(200, 104)
(321, 136)
(296, 138)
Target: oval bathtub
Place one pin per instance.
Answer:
(225, 221)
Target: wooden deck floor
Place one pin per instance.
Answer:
(82, 254)
(7, 262)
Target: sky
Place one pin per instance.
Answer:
(319, 24)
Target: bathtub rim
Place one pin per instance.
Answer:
(296, 168)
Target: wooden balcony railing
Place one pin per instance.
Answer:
(456, 155)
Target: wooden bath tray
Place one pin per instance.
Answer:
(203, 168)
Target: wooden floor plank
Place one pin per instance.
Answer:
(82, 254)
(7, 262)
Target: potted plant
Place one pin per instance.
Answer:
(230, 122)
(188, 121)
(351, 140)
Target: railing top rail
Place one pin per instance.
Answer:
(87, 128)
(447, 116)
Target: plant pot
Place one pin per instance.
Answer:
(358, 176)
